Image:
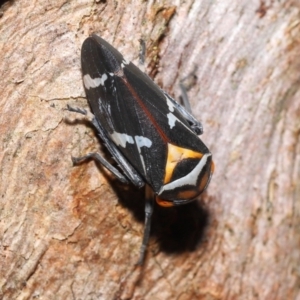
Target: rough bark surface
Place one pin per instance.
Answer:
(74, 232)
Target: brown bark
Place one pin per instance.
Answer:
(74, 232)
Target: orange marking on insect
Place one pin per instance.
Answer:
(212, 167)
(175, 155)
(164, 203)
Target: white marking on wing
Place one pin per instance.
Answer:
(171, 120)
(90, 82)
(170, 104)
(121, 139)
(189, 179)
(142, 141)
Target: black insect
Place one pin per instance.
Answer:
(153, 139)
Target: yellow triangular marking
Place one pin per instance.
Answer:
(176, 155)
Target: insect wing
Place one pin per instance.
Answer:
(135, 113)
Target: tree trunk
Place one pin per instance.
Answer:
(74, 232)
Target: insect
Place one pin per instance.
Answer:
(153, 139)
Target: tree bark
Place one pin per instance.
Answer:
(74, 232)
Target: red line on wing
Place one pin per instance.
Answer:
(143, 106)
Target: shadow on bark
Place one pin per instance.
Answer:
(177, 229)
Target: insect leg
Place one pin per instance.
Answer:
(97, 157)
(185, 84)
(142, 52)
(128, 170)
(77, 110)
(148, 213)
(185, 98)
